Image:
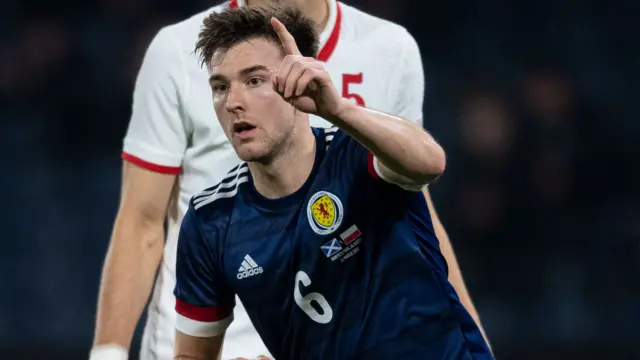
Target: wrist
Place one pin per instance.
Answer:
(109, 352)
(340, 117)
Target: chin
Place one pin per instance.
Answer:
(251, 152)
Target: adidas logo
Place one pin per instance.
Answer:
(248, 268)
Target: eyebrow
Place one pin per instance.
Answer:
(244, 72)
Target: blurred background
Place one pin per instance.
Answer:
(534, 100)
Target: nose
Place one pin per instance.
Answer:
(235, 100)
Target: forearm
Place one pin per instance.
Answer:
(195, 348)
(127, 278)
(399, 145)
(455, 274)
(455, 277)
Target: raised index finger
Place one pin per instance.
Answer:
(286, 39)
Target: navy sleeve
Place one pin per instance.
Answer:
(204, 301)
(360, 160)
(354, 156)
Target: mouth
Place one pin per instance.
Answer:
(243, 129)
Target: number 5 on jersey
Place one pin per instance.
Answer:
(304, 302)
(350, 79)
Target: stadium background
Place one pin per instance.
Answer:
(534, 100)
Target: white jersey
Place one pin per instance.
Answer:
(174, 130)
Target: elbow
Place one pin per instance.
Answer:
(439, 162)
(139, 234)
(434, 164)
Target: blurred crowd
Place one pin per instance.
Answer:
(534, 101)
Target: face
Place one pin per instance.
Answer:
(257, 121)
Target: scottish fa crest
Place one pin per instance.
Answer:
(324, 212)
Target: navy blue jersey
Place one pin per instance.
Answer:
(347, 267)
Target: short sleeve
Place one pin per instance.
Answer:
(355, 157)
(204, 301)
(156, 137)
(359, 160)
(410, 95)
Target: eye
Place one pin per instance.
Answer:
(254, 81)
(220, 88)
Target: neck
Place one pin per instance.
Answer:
(316, 10)
(286, 172)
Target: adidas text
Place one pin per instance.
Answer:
(248, 268)
(250, 272)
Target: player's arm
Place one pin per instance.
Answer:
(455, 273)
(189, 347)
(153, 149)
(404, 153)
(204, 301)
(408, 104)
(134, 252)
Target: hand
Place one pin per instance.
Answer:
(303, 81)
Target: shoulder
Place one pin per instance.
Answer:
(220, 199)
(329, 134)
(363, 26)
(336, 140)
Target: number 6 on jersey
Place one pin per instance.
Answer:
(304, 302)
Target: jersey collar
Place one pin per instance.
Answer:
(329, 36)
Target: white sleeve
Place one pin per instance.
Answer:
(156, 138)
(410, 94)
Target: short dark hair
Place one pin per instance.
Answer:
(223, 30)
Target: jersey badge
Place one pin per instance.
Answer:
(345, 246)
(324, 212)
